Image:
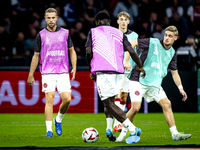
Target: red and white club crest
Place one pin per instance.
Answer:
(137, 93)
(45, 85)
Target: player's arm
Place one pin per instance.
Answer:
(88, 46)
(133, 54)
(89, 54)
(177, 81)
(127, 66)
(136, 59)
(34, 64)
(176, 77)
(35, 60)
(73, 59)
(134, 43)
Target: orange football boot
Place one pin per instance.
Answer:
(117, 128)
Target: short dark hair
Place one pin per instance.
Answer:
(101, 15)
(51, 10)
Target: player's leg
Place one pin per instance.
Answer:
(64, 88)
(114, 110)
(122, 100)
(104, 91)
(167, 111)
(120, 115)
(49, 112)
(117, 124)
(123, 96)
(135, 107)
(48, 86)
(169, 117)
(109, 121)
(121, 104)
(136, 92)
(125, 90)
(128, 124)
(107, 90)
(64, 106)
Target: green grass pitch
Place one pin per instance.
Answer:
(19, 130)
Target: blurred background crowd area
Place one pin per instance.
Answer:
(21, 20)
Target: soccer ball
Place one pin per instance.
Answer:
(90, 135)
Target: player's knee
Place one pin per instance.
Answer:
(49, 102)
(66, 100)
(134, 109)
(167, 105)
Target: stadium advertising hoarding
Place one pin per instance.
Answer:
(17, 97)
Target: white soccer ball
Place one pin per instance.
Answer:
(90, 135)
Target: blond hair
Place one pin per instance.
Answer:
(51, 10)
(123, 13)
(172, 29)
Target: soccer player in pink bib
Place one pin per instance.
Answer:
(105, 48)
(53, 45)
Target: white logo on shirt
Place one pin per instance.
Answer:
(56, 53)
(155, 65)
(156, 51)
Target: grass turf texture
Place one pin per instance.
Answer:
(19, 130)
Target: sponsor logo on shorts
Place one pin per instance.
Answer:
(137, 93)
(45, 85)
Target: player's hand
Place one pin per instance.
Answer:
(30, 80)
(73, 74)
(143, 72)
(127, 66)
(183, 94)
(93, 77)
